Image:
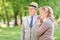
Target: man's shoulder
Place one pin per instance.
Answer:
(25, 17)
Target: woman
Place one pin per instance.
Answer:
(46, 28)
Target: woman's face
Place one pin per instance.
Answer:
(43, 13)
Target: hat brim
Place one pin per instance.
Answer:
(33, 6)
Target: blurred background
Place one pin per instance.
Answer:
(12, 13)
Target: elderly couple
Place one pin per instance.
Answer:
(38, 27)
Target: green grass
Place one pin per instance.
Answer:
(10, 33)
(57, 32)
(15, 32)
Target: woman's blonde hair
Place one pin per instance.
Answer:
(50, 12)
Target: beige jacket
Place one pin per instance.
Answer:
(46, 30)
(27, 32)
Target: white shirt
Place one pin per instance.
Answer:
(34, 19)
(44, 19)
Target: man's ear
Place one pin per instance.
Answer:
(37, 9)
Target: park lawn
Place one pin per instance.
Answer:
(10, 33)
(57, 32)
(15, 32)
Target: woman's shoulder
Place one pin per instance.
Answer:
(47, 20)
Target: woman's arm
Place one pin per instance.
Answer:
(43, 28)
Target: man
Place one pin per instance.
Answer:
(29, 23)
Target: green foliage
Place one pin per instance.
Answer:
(22, 7)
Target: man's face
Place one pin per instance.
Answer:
(32, 10)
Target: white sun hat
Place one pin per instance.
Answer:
(34, 4)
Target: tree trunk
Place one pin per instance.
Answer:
(5, 12)
(21, 18)
(15, 17)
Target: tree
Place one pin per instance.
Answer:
(5, 12)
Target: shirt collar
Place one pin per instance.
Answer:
(33, 16)
(45, 19)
